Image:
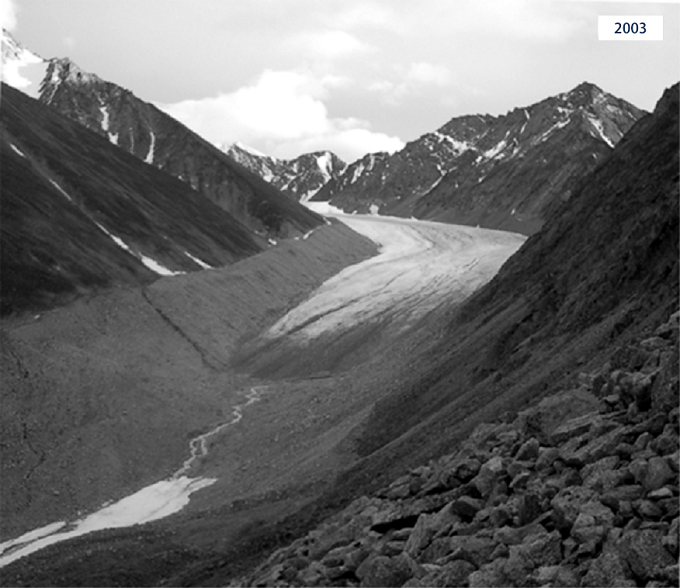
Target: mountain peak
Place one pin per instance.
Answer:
(66, 70)
(240, 146)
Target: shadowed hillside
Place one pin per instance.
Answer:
(79, 214)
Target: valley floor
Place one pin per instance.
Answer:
(311, 363)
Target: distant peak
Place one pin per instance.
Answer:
(586, 87)
(241, 147)
(585, 92)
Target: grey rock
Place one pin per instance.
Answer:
(568, 503)
(608, 570)
(643, 550)
(490, 575)
(575, 427)
(592, 526)
(476, 549)
(546, 458)
(383, 571)
(558, 576)
(455, 573)
(528, 451)
(466, 507)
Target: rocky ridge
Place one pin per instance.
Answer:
(300, 178)
(579, 490)
(142, 129)
(503, 172)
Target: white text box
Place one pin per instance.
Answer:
(630, 28)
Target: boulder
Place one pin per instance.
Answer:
(455, 573)
(644, 552)
(568, 504)
(592, 526)
(490, 575)
(466, 507)
(476, 549)
(575, 427)
(558, 576)
(381, 570)
(608, 570)
(536, 551)
(542, 420)
(528, 451)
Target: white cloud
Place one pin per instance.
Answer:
(411, 79)
(332, 44)
(423, 73)
(8, 14)
(283, 114)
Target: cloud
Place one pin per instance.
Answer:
(332, 44)
(410, 80)
(423, 73)
(8, 14)
(283, 114)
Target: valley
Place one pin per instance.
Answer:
(295, 438)
(453, 363)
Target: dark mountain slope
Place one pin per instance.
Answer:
(79, 214)
(500, 172)
(158, 139)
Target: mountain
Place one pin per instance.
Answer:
(578, 317)
(79, 214)
(301, 177)
(159, 140)
(503, 172)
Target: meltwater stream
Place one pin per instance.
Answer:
(154, 502)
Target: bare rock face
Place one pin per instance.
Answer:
(300, 178)
(508, 172)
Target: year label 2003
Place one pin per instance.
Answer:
(630, 28)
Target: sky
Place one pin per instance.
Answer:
(353, 76)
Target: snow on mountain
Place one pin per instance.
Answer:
(504, 171)
(21, 68)
(300, 178)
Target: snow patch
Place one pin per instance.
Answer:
(198, 261)
(149, 155)
(113, 137)
(324, 162)
(543, 136)
(22, 69)
(15, 148)
(494, 151)
(105, 118)
(152, 264)
(58, 187)
(151, 503)
(596, 124)
(457, 146)
(323, 208)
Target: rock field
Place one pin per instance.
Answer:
(579, 490)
